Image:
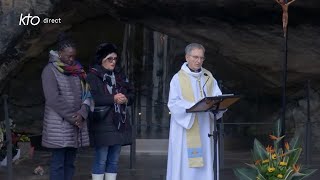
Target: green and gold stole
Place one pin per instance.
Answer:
(194, 147)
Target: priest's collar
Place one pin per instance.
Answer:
(195, 71)
(186, 69)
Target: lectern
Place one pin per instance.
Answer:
(215, 105)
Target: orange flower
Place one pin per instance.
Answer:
(286, 144)
(269, 149)
(273, 137)
(296, 168)
(257, 162)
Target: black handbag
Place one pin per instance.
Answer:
(100, 112)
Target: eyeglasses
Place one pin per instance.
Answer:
(198, 57)
(111, 59)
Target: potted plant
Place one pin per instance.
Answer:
(3, 145)
(24, 145)
(274, 162)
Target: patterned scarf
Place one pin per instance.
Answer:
(121, 82)
(77, 70)
(121, 85)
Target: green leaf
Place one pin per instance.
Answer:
(306, 173)
(245, 173)
(260, 177)
(254, 156)
(288, 174)
(277, 133)
(277, 129)
(294, 157)
(297, 174)
(279, 139)
(276, 143)
(296, 140)
(290, 152)
(252, 166)
(259, 150)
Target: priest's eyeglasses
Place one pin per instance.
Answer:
(198, 57)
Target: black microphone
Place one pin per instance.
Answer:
(204, 93)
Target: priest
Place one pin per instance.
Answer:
(190, 153)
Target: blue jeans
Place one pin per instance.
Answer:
(106, 159)
(62, 163)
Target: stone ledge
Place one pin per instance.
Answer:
(148, 146)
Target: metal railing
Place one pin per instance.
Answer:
(307, 144)
(8, 141)
(308, 128)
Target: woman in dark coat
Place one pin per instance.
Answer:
(112, 94)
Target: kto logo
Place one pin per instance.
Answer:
(25, 20)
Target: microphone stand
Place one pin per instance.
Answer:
(215, 135)
(214, 132)
(204, 92)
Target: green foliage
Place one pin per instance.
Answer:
(245, 173)
(15, 138)
(259, 151)
(274, 162)
(23, 138)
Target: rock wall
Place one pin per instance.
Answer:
(9, 21)
(230, 29)
(246, 33)
(12, 35)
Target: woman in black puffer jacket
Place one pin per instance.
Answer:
(109, 127)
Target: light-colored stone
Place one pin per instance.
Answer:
(148, 146)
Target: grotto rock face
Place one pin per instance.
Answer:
(19, 44)
(10, 13)
(12, 34)
(247, 34)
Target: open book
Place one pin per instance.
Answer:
(221, 102)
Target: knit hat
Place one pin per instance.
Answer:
(103, 51)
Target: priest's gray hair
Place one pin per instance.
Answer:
(193, 46)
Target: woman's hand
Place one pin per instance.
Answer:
(78, 120)
(120, 98)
